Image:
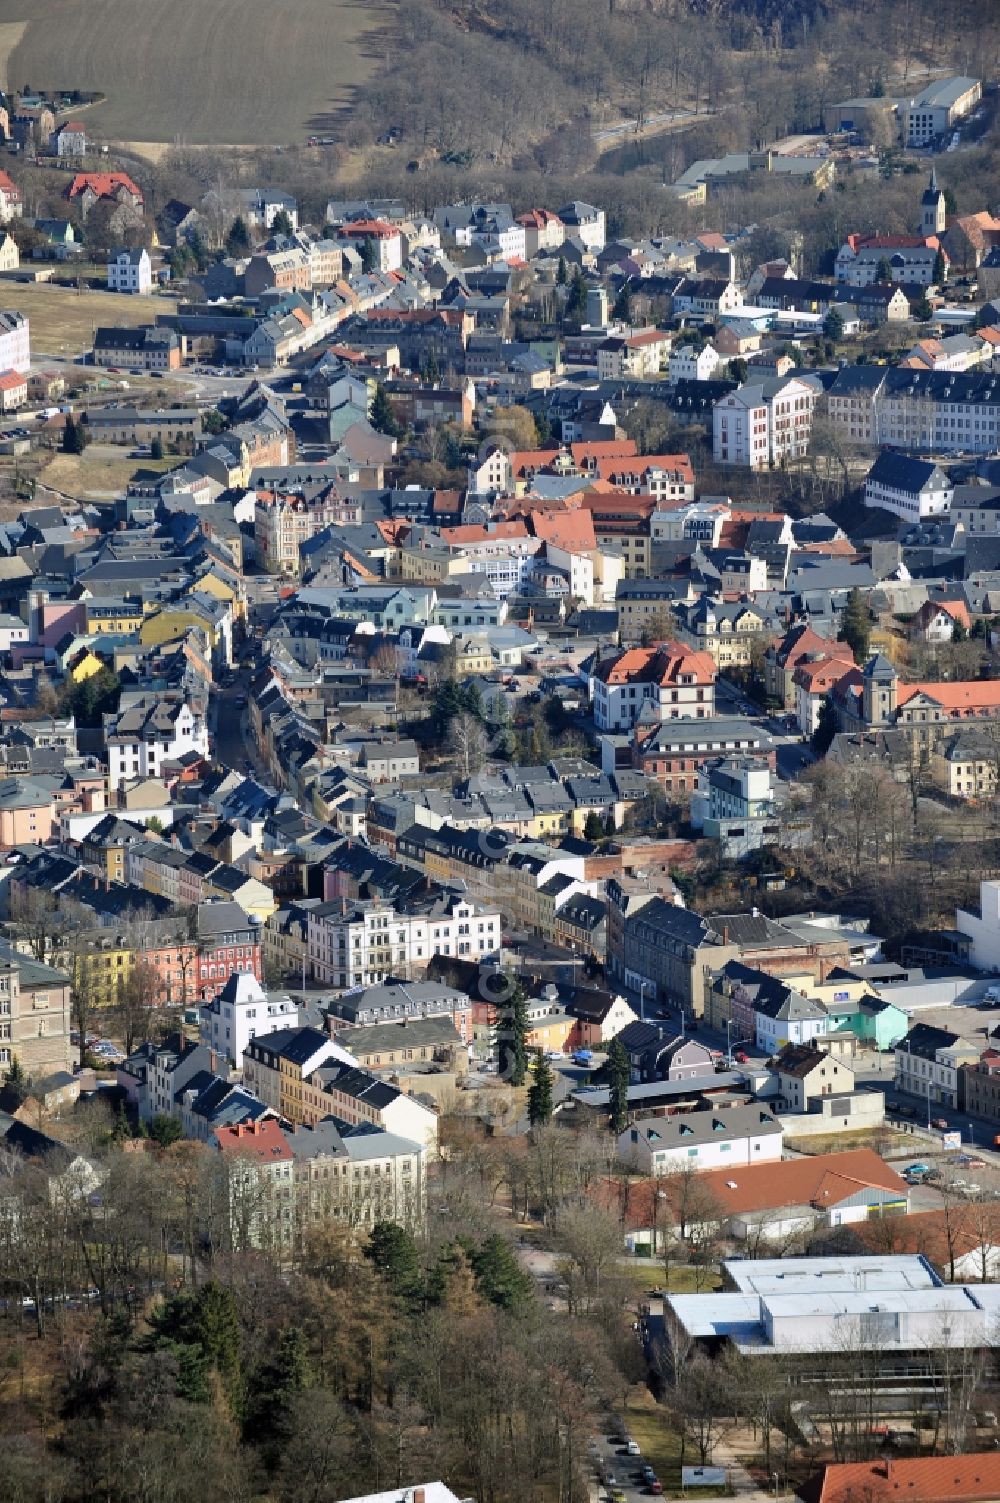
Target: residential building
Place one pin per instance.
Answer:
(814, 678)
(70, 139)
(147, 348)
(396, 1001)
(852, 402)
(732, 1136)
(929, 1064)
(908, 487)
(228, 939)
(672, 753)
(735, 805)
(764, 423)
(356, 1177)
(359, 943)
(585, 223)
(11, 199)
(130, 271)
(260, 207)
(781, 659)
(807, 1072)
(382, 243)
(259, 1183)
(661, 951)
(149, 730)
(13, 391)
(782, 1016)
(15, 342)
(980, 1089)
(652, 685)
(241, 1011)
(689, 363)
(767, 1203)
(34, 1014)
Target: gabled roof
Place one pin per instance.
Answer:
(972, 1478)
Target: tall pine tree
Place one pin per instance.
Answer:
(855, 626)
(619, 1074)
(540, 1093)
(513, 1036)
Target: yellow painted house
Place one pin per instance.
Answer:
(85, 666)
(120, 620)
(178, 618)
(226, 590)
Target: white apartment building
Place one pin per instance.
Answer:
(739, 1135)
(15, 342)
(149, 731)
(928, 1062)
(243, 1011)
(365, 942)
(691, 364)
(764, 423)
(130, 271)
(669, 682)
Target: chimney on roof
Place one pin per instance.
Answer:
(419, 1496)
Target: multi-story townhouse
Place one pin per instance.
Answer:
(667, 682)
(242, 1011)
(852, 402)
(764, 423)
(356, 1177)
(361, 943)
(34, 1014)
(929, 1064)
(259, 1183)
(15, 342)
(151, 729)
(926, 411)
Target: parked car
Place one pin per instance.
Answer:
(655, 1486)
(632, 1447)
(941, 1123)
(741, 1057)
(919, 1170)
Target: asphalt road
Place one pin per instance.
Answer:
(232, 747)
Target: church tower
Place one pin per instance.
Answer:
(932, 212)
(879, 691)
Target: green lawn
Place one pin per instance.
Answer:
(682, 1279)
(649, 1424)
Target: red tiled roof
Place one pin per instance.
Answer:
(11, 380)
(573, 531)
(263, 1141)
(662, 664)
(973, 1478)
(103, 184)
(639, 465)
(965, 694)
(605, 448)
(822, 675)
(371, 229)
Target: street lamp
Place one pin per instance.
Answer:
(729, 1042)
(642, 994)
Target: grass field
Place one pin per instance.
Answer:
(98, 474)
(245, 72)
(63, 320)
